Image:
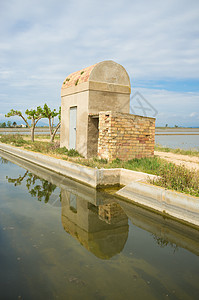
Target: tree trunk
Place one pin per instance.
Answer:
(55, 131)
(50, 126)
(32, 134)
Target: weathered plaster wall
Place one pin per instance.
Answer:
(80, 100)
(103, 86)
(103, 97)
(125, 136)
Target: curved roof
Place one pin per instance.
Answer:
(105, 71)
(78, 77)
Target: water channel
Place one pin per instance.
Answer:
(63, 240)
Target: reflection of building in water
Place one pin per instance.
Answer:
(164, 230)
(103, 229)
(111, 213)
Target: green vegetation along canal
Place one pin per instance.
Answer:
(62, 240)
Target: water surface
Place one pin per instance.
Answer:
(187, 142)
(62, 240)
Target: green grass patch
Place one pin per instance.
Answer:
(70, 153)
(15, 140)
(37, 146)
(149, 165)
(177, 151)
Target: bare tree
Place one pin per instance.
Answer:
(33, 114)
(50, 115)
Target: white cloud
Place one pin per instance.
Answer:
(194, 115)
(153, 39)
(173, 107)
(42, 42)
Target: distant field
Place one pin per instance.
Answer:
(178, 129)
(22, 130)
(158, 130)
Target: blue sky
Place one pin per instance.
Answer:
(41, 42)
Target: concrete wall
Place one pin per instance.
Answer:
(89, 97)
(125, 136)
(104, 96)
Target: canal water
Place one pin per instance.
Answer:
(62, 240)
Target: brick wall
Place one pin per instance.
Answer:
(125, 136)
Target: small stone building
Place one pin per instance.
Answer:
(95, 119)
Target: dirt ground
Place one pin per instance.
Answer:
(190, 162)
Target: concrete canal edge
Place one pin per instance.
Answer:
(136, 189)
(93, 177)
(177, 205)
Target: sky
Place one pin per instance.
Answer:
(157, 42)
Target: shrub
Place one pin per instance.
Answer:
(178, 178)
(100, 160)
(73, 152)
(62, 150)
(65, 151)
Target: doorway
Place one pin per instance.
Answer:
(72, 127)
(93, 134)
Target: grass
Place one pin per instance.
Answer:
(37, 146)
(44, 136)
(178, 178)
(170, 176)
(147, 165)
(177, 151)
(16, 140)
(65, 151)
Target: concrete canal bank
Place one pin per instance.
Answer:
(136, 189)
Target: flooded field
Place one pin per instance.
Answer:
(26, 131)
(62, 240)
(182, 141)
(183, 138)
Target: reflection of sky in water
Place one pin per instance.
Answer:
(178, 141)
(88, 247)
